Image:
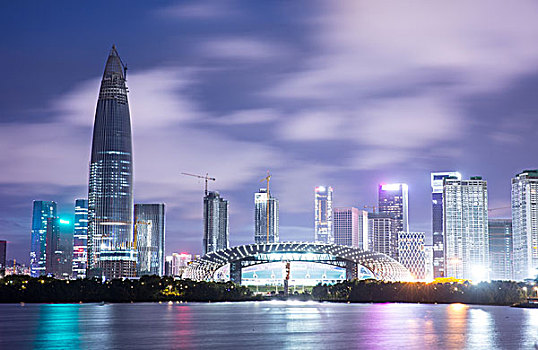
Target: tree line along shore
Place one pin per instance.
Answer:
(18, 288)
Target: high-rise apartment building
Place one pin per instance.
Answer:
(437, 179)
(394, 199)
(42, 211)
(111, 250)
(150, 236)
(525, 224)
(216, 227)
(382, 227)
(412, 254)
(363, 230)
(346, 226)
(465, 215)
(261, 220)
(500, 248)
(177, 263)
(323, 218)
(80, 239)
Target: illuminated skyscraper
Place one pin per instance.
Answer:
(437, 220)
(394, 199)
(465, 214)
(260, 217)
(500, 248)
(150, 236)
(215, 222)
(43, 210)
(80, 239)
(323, 208)
(57, 257)
(110, 197)
(346, 226)
(525, 224)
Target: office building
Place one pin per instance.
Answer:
(394, 199)
(437, 179)
(57, 259)
(323, 218)
(500, 248)
(177, 263)
(150, 236)
(382, 227)
(412, 254)
(346, 226)
(216, 227)
(110, 243)
(42, 211)
(261, 219)
(428, 263)
(3, 248)
(80, 239)
(363, 230)
(525, 224)
(465, 215)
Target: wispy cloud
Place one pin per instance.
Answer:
(199, 10)
(242, 48)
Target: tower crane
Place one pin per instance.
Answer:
(206, 178)
(267, 178)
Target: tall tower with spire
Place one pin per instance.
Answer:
(111, 250)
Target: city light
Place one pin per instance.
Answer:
(390, 187)
(64, 222)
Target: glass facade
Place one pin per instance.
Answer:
(110, 195)
(393, 199)
(465, 213)
(382, 227)
(261, 200)
(150, 236)
(215, 223)
(437, 179)
(80, 239)
(323, 209)
(500, 248)
(346, 226)
(525, 224)
(42, 211)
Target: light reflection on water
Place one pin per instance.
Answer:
(265, 325)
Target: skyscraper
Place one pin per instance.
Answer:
(215, 222)
(346, 226)
(465, 214)
(363, 230)
(323, 220)
(3, 245)
(394, 199)
(500, 248)
(382, 227)
(57, 258)
(261, 199)
(110, 197)
(412, 254)
(437, 179)
(150, 235)
(525, 224)
(41, 212)
(80, 239)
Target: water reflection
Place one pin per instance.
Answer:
(266, 325)
(58, 324)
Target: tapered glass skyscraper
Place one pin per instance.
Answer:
(110, 197)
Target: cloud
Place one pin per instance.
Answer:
(247, 117)
(199, 10)
(242, 48)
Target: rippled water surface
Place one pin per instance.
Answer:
(266, 325)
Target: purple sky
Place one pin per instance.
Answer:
(348, 94)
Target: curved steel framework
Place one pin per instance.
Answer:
(380, 265)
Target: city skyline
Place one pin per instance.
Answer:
(184, 103)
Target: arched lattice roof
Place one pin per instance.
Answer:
(382, 266)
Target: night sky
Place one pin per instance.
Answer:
(343, 93)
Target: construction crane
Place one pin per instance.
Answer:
(493, 209)
(267, 178)
(206, 178)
